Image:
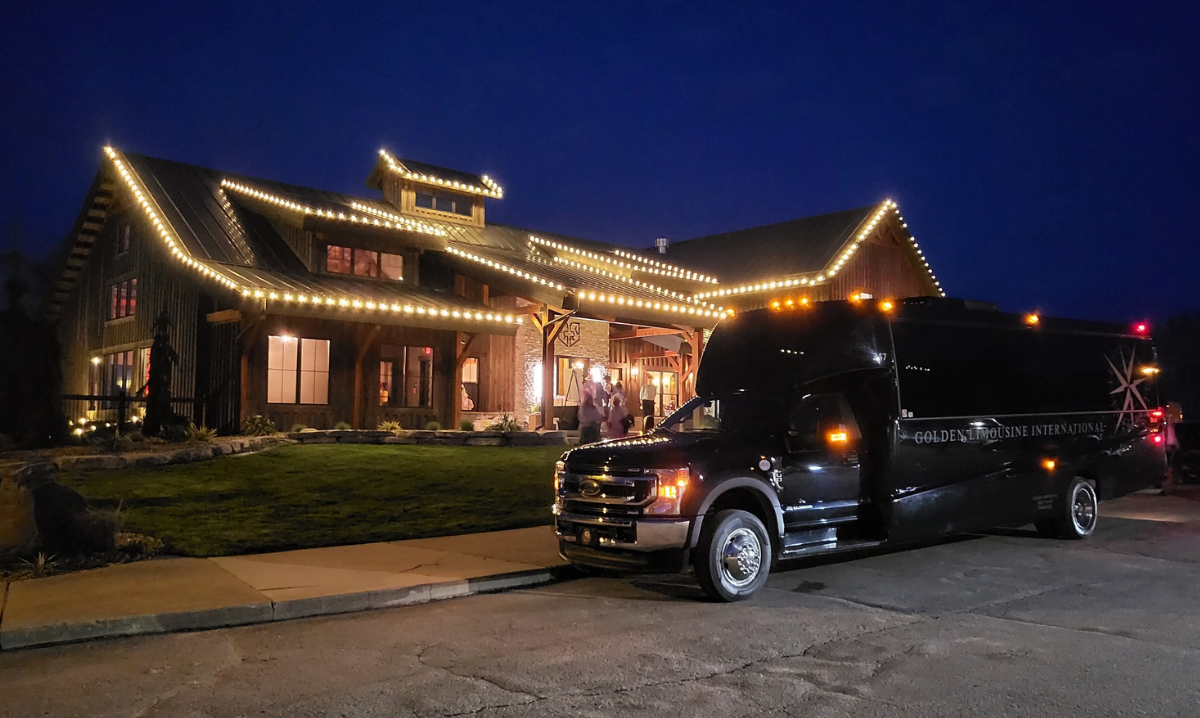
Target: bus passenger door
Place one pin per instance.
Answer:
(821, 475)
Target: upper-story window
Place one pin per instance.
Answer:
(364, 263)
(122, 299)
(123, 234)
(445, 202)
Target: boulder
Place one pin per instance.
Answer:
(399, 440)
(149, 460)
(18, 526)
(67, 526)
(91, 463)
(450, 437)
(318, 439)
(485, 438)
(423, 436)
(523, 438)
(554, 438)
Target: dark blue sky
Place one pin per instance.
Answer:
(1044, 155)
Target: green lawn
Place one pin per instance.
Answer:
(327, 494)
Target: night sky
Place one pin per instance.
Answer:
(1045, 156)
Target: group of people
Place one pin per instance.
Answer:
(603, 403)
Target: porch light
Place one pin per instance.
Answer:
(95, 360)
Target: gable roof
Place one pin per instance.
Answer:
(800, 246)
(433, 175)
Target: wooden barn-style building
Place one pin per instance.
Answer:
(314, 307)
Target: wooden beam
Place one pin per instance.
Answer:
(225, 316)
(462, 349)
(363, 342)
(646, 332)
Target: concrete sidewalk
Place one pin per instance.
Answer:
(179, 594)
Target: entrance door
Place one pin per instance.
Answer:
(666, 391)
(821, 475)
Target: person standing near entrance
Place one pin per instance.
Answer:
(647, 395)
(589, 419)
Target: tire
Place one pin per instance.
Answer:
(1078, 515)
(733, 556)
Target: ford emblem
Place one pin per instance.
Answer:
(589, 487)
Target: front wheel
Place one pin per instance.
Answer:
(1079, 514)
(733, 557)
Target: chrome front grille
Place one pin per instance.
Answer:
(605, 496)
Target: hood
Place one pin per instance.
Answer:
(697, 450)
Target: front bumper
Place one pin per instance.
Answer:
(642, 535)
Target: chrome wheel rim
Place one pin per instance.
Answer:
(1083, 509)
(741, 557)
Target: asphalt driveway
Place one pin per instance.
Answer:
(1000, 625)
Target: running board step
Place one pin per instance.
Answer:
(829, 547)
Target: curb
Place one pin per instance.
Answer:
(269, 611)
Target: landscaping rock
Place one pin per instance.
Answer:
(184, 456)
(91, 463)
(398, 440)
(422, 436)
(357, 437)
(523, 438)
(554, 438)
(318, 439)
(485, 438)
(149, 460)
(18, 527)
(67, 526)
(448, 437)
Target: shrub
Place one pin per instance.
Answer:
(258, 425)
(506, 423)
(175, 432)
(433, 426)
(341, 426)
(466, 425)
(297, 428)
(392, 426)
(200, 433)
(120, 442)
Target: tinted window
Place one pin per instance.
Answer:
(952, 370)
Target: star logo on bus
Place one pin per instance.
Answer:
(1127, 385)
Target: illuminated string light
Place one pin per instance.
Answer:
(637, 283)
(355, 303)
(648, 304)
(663, 269)
(400, 222)
(161, 226)
(491, 189)
(667, 268)
(505, 268)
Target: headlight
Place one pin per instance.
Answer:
(559, 468)
(668, 491)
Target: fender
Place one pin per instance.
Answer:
(739, 482)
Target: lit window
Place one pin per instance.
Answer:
(392, 266)
(418, 377)
(366, 264)
(118, 375)
(297, 367)
(339, 260)
(122, 299)
(470, 385)
(385, 383)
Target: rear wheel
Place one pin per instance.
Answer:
(733, 557)
(1078, 516)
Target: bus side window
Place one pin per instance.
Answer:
(815, 417)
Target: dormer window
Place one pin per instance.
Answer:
(445, 202)
(364, 263)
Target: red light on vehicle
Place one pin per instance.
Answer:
(1141, 328)
(1156, 414)
(1157, 438)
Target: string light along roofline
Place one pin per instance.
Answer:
(175, 245)
(628, 280)
(663, 265)
(319, 301)
(666, 270)
(160, 223)
(831, 270)
(398, 222)
(491, 188)
(667, 307)
(500, 266)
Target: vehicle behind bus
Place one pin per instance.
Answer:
(842, 425)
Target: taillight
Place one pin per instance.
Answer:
(1141, 328)
(1157, 438)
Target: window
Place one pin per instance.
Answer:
(144, 369)
(364, 263)
(338, 260)
(118, 375)
(122, 299)
(470, 385)
(814, 417)
(666, 390)
(445, 202)
(385, 383)
(391, 266)
(123, 233)
(297, 367)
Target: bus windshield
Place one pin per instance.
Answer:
(737, 413)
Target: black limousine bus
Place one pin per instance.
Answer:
(842, 425)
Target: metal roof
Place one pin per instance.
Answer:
(796, 247)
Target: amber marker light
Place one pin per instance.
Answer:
(775, 305)
(887, 305)
(804, 301)
(1032, 319)
(838, 437)
(1150, 370)
(790, 303)
(1049, 464)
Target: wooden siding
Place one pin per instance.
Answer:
(883, 268)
